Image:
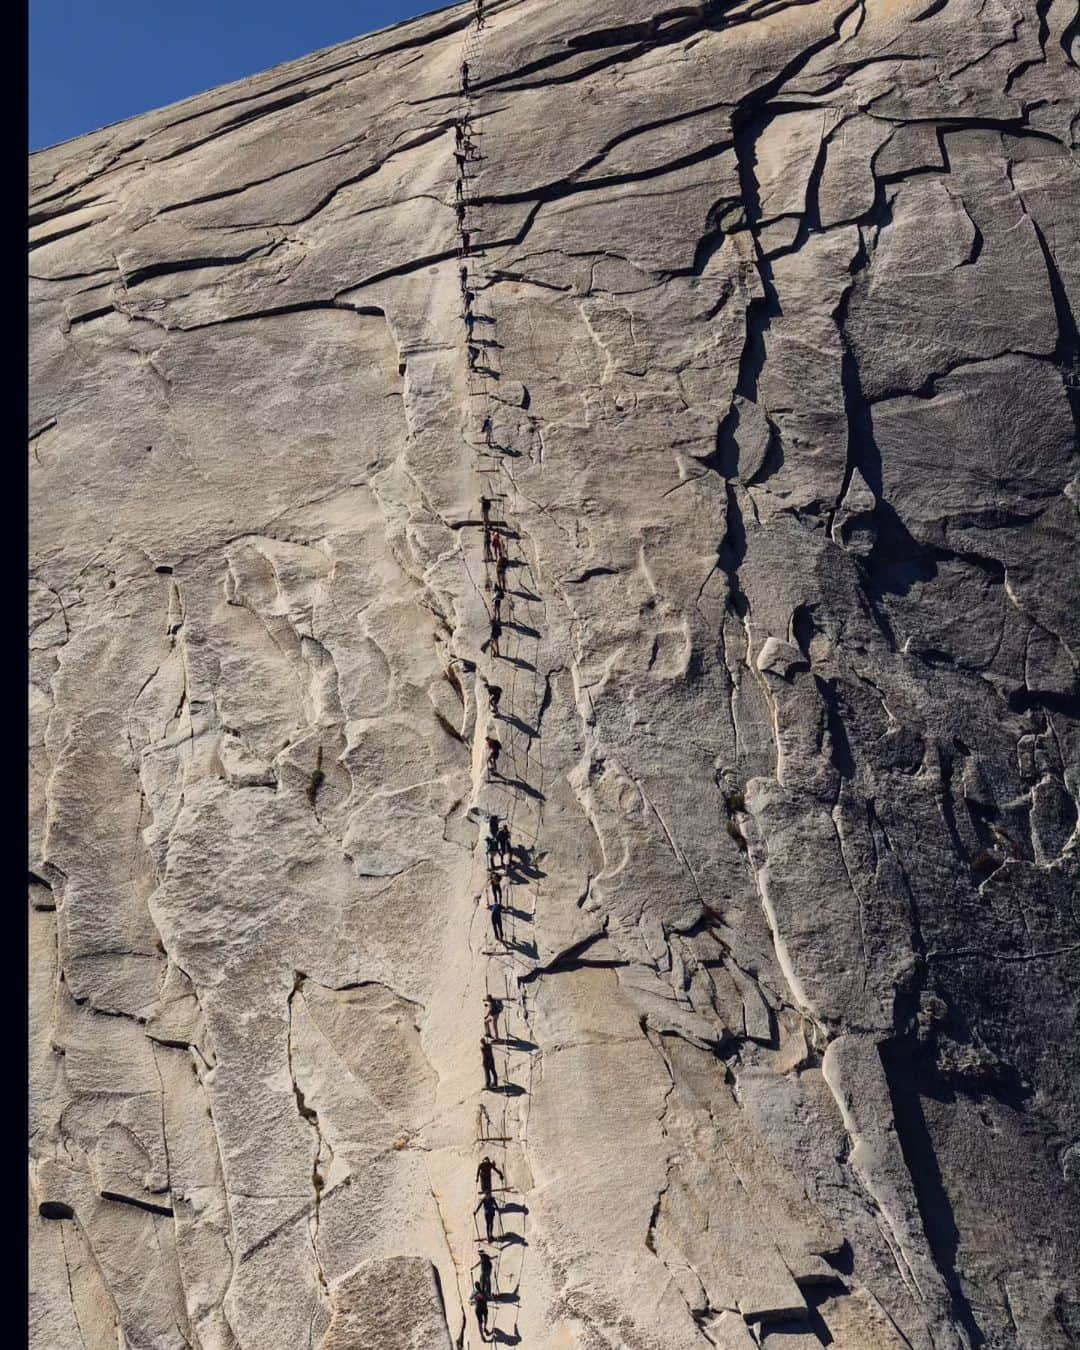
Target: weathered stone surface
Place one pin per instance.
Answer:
(769, 368)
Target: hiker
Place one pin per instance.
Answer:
(459, 210)
(464, 271)
(494, 745)
(470, 322)
(500, 569)
(485, 429)
(492, 1008)
(495, 909)
(485, 511)
(484, 1278)
(492, 643)
(494, 694)
(471, 348)
(491, 1079)
(479, 1301)
(497, 547)
(466, 243)
(488, 1204)
(506, 851)
(498, 595)
(488, 554)
(495, 881)
(469, 297)
(491, 849)
(483, 1174)
(464, 77)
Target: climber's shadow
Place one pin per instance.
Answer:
(521, 914)
(501, 1337)
(507, 1090)
(523, 866)
(519, 725)
(517, 1043)
(522, 628)
(520, 785)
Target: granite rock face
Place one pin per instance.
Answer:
(755, 325)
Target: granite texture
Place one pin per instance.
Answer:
(767, 363)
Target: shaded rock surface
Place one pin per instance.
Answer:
(767, 363)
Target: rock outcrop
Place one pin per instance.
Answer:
(751, 327)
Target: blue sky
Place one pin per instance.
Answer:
(97, 61)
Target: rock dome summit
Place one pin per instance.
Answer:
(554, 708)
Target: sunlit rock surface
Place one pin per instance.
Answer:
(772, 316)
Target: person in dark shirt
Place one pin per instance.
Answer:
(506, 852)
(496, 912)
(479, 1301)
(484, 1278)
(484, 1172)
(487, 1058)
(492, 644)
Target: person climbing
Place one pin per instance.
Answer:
(485, 511)
(490, 1206)
(464, 77)
(464, 272)
(484, 1278)
(491, 1078)
(466, 243)
(497, 547)
(495, 909)
(498, 595)
(485, 430)
(494, 694)
(479, 1301)
(491, 849)
(492, 644)
(471, 348)
(470, 321)
(483, 1174)
(492, 1008)
(459, 210)
(500, 569)
(488, 553)
(506, 851)
(494, 745)
(495, 881)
